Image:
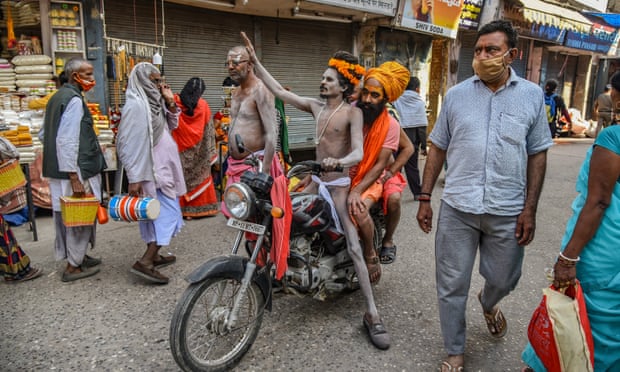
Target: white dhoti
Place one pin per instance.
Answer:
(324, 192)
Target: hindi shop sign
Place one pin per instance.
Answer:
(384, 7)
(437, 17)
(470, 15)
(599, 40)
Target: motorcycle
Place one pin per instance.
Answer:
(218, 317)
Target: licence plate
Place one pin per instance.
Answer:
(246, 226)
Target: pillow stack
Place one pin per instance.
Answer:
(33, 72)
(28, 13)
(7, 76)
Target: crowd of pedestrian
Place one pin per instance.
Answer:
(491, 137)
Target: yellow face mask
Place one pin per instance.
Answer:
(490, 70)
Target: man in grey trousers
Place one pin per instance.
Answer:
(493, 131)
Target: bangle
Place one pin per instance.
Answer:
(575, 260)
(425, 193)
(424, 200)
(566, 263)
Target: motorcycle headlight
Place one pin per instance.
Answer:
(239, 200)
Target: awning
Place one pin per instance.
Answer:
(612, 19)
(537, 11)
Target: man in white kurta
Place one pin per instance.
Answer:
(72, 160)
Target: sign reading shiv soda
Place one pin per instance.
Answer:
(437, 17)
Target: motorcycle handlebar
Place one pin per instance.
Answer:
(315, 167)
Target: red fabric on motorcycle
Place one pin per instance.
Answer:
(281, 227)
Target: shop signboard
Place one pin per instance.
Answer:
(383, 7)
(550, 33)
(540, 31)
(437, 17)
(600, 39)
(470, 15)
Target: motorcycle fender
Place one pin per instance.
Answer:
(230, 266)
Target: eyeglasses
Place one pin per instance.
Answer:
(157, 81)
(234, 63)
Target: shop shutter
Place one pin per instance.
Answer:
(296, 54)
(197, 41)
(519, 64)
(466, 56)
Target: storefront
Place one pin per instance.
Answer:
(543, 50)
(294, 49)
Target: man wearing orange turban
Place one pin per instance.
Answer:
(370, 182)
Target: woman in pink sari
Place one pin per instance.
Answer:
(195, 137)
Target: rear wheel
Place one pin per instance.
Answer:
(200, 339)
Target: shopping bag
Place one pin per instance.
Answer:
(559, 331)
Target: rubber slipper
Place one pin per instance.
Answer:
(85, 272)
(388, 255)
(165, 261)
(34, 273)
(379, 336)
(148, 273)
(89, 261)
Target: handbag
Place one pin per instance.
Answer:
(559, 331)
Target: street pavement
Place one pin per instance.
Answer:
(115, 321)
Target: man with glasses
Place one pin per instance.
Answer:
(253, 118)
(493, 132)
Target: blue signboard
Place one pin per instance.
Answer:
(599, 40)
(545, 32)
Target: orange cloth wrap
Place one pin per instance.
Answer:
(373, 142)
(393, 76)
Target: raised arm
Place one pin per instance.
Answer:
(301, 103)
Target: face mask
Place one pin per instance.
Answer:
(490, 70)
(86, 85)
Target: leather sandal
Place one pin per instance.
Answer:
(164, 260)
(496, 322)
(148, 273)
(374, 269)
(447, 367)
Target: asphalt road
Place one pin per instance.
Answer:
(115, 321)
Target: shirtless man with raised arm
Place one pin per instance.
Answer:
(338, 142)
(253, 116)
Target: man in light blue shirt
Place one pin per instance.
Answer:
(493, 132)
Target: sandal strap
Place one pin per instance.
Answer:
(372, 260)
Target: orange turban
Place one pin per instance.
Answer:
(393, 76)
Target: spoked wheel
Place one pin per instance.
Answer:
(201, 338)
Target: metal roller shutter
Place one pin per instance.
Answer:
(519, 64)
(466, 55)
(296, 54)
(197, 41)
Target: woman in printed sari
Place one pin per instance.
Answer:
(14, 263)
(195, 137)
(591, 246)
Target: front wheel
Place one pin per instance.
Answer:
(200, 338)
